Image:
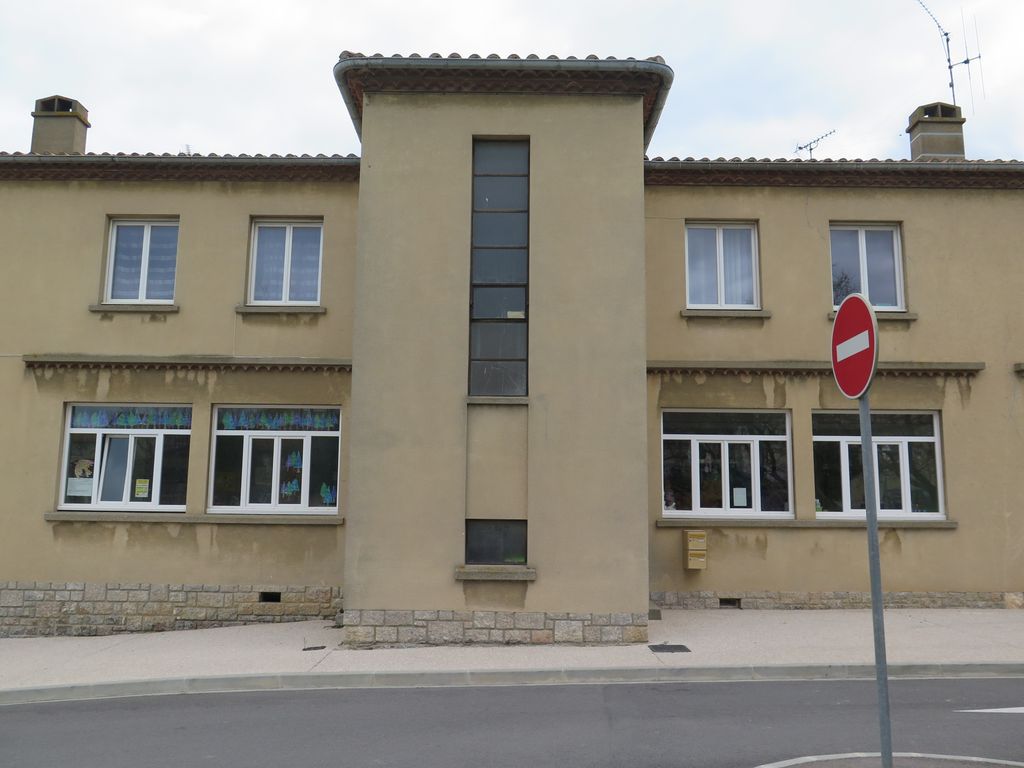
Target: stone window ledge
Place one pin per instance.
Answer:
(884, 317)
(495, 573)
(145, 309)
(484, 400)
(719, 522)
(728, 314)
(181, 517)
(282, 309)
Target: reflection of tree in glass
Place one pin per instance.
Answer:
(842, 286)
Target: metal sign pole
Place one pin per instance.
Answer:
(874, 565)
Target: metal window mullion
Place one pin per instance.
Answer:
(694, 476)
(158, 466)
(320, 267)
(865, 289)
(844, 468)
(287, 277)
(726, 476)
(275, 473)
(144, 263)
(246, 451)
(96, 465)
(755, 475)
(905, 477)
(110, 262)
(720, 265)
(307, 458)
(129, 469)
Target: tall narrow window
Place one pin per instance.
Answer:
(500, 268)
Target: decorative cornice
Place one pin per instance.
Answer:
(183, 363)
(357, 74)
(807, 368)
(122, 167)
(899, 174)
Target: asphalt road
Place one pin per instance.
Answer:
(704, 725)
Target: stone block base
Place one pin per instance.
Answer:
(821, 600)
(376, 627)
(37, 608)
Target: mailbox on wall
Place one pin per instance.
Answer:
(695, 550)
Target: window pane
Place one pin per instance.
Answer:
(738, 266)
(845, 264)
(924, 483)
(740, 487)
(710, 469)
(723, 423)
(507, 229)
(261, 471)
(677, 474)
(701, 265)
(227, 471)
(828, 477)
(268, 284)
(856, 477)
(501, 192)
(882, 425)
(289, 489)
(495, 542)
(881, 259)
(163, 255)
(774, 476)
(507, 379)
(174, 470)
(114, 462)
(127, 261)
(499, 265)
(130, 417)
(279, 419)
(501, 157)
(497, 341)
(80, 474)
(140, 489)
(890, 487)
(323, 472)
(304, 280)
(499, 303)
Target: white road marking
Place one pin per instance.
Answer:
(852, 346)
(1005, 710)
(849, 755)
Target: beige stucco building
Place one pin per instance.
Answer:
(500, 378)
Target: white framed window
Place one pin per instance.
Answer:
(141, 262)
(285, 263)
(908, 468)
(275, 459)
(721, 266)
(866, 259)
(726, 463)
(126, 458)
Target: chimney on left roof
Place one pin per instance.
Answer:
(59, 126)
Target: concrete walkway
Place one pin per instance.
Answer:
(723, 645)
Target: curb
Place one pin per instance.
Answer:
(303, 681)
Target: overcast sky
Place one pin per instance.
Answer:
(753, 78)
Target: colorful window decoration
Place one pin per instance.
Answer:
(279, 419)
(130, 417)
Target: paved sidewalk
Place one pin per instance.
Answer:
(723, 645)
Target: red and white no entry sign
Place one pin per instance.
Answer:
(854, 345)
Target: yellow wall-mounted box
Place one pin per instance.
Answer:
(696, 561)
(695, 550)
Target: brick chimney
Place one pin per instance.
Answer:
(59, 126)
(936, 132)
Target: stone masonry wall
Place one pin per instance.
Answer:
(368, 627)
(76, 608)
(821, 600)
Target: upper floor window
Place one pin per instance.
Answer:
(126, 457)
(721, 266)
(142, 261)
(286, 261)
(866, 259)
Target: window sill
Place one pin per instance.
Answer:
(727, 314)
(181, 517)
(887, 317)
(482, 400)
(495, 573)
(137, 308)
(731, 522)
(283, 309)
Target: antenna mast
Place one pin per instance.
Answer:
(811, 145)
(950, 64)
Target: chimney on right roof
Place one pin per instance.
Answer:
(936, 132)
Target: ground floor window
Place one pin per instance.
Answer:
(126, 457)
(733, 463)
(276, 460)
(908, 471)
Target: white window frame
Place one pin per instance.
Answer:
(148, 224)
(862, 252)
(289, 225)
(101, 435)
(719, 227)
(726, 510)
(248, 435)
(906, 513)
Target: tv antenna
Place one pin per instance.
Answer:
(811, 145)
(950, 64)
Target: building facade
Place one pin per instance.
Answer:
(499, 379)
